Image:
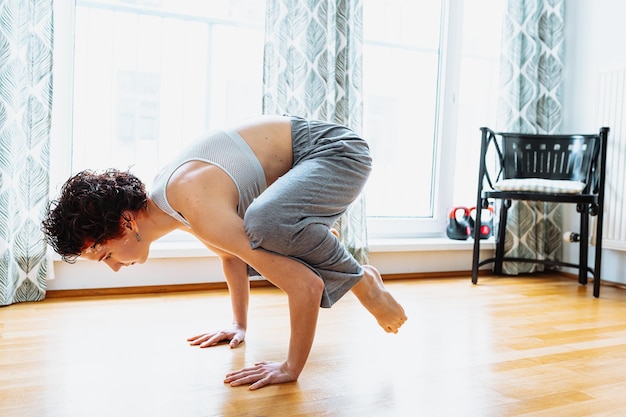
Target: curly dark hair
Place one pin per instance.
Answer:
(89, 208)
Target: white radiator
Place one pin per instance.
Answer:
(611, 112)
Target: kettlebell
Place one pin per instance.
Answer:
(458, 226)
(486, 221)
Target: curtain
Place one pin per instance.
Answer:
(532, 78)
(25, 106)
(313, 69)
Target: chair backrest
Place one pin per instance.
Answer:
(520, 156)
(555, 157)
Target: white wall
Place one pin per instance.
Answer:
(595, 37)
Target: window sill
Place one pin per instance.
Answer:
(195, 249)
(426, 244)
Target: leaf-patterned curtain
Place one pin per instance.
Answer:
(312, 68)
(25, 105)
(532, 78)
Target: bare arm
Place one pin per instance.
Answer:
(304, 290)
(236, 274)
(214, 220)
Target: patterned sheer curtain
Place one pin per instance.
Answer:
(25, 105)
(532, 78)
(312, 68)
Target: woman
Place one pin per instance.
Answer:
(263, 194)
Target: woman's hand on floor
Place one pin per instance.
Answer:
(260, 375)
(234, 335)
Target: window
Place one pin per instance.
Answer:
(478, 91)
(402, 59)
(148, 76)
(151, 75)
(430, 77)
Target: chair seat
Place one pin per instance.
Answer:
(540, 185)
(536, 196)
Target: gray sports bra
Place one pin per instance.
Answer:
(225, 149)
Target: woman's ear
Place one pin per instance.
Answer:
(127, 220)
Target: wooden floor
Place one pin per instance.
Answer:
(506, 347)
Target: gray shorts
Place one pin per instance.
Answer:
(293, 216)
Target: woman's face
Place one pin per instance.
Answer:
(126, 250)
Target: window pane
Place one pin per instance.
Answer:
(152, 75)
(400, 77)
(478, 93)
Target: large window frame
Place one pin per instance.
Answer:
(378, 227)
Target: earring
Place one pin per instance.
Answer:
(137, 237)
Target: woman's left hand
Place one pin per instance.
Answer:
(260, 375)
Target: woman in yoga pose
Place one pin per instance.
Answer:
(263, 196)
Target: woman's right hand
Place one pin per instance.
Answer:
(234, 335)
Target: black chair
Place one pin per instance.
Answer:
(549, 168)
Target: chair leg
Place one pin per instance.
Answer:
(497, 267)
(583, 257)
(476, 253)
(475, 256)
(597, 271)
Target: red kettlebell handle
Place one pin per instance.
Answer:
(466, 212)
(472, 210)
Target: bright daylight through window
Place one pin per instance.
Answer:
(148, 76)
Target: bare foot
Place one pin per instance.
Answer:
(335, 232)
(372, 293)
